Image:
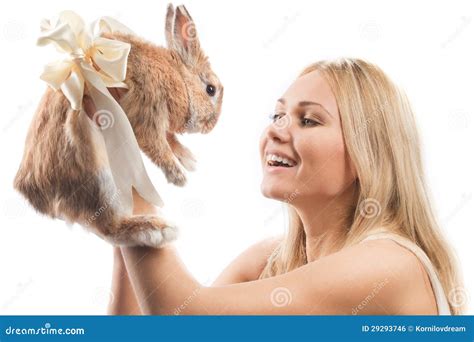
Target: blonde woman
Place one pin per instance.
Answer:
(343, 152)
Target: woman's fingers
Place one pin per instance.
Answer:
(141, 206)
(117, 93)
(89, 105)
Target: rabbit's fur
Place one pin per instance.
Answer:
(64, 172)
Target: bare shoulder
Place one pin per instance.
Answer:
(415, 295)
(387, 250)
(378, 277)
(248, 265)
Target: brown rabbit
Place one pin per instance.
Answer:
(64, 173)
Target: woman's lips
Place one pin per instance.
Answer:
(276, 162)
(278, 169)
(273, 157)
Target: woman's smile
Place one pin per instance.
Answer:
(304, 144)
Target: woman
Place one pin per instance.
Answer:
(343, 153)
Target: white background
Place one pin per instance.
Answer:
(257, 48)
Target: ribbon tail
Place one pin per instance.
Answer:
(123, 152)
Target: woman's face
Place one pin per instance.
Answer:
(302, 151)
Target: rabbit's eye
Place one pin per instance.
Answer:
(211, 90)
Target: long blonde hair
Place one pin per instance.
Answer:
(382, 141)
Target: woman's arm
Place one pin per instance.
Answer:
(249, 264)
(370, 277)
(333, 285)
(124, 301)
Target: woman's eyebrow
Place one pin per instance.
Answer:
(307, 103)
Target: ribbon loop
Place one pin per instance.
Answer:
(71, 37)
(99, 63)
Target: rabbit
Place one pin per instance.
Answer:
(64, 171)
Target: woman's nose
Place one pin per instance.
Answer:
(280, 129)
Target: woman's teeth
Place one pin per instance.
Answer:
(274, 160)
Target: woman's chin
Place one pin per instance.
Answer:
(273, 192)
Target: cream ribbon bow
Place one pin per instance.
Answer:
(98, 63)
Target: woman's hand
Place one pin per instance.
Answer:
(89, 105)
(140, 206)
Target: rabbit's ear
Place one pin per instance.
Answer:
(169, 25)
(185, 39)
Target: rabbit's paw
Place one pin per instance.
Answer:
(176, 176)
(188, 163)
(154, 238)
(186, 158)
(146, 230)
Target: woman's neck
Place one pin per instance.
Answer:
(326, 223)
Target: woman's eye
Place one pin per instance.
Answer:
(275, 117)
(309, 122)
